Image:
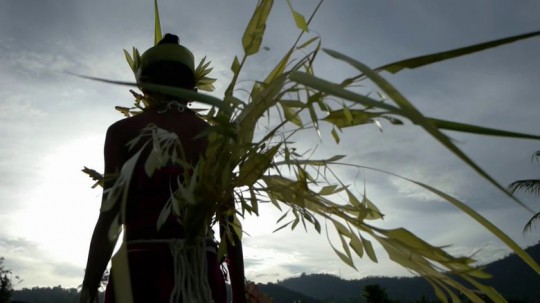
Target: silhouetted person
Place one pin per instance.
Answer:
(152, 265)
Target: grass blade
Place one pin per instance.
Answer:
(484, 222)
(170, 90)
(441, 56)
(469, 128)
(338, 91)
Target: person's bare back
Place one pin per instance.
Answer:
(185, 124)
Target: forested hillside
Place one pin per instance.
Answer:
(512, 278)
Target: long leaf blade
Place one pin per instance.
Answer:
(338, 91)
(484, 222)
(469, 128)
(170, 90)
(441, 56)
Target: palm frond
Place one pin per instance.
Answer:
(532, 222)
(531, 186)
(536, 156)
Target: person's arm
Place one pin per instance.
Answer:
(101, 247)
(236, 262)
(236, 270)
(100, 252)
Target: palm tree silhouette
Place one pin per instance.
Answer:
(531, 186)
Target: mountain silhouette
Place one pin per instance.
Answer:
(514, 279)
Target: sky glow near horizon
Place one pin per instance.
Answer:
(53, 124)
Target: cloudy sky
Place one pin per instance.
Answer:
(52, 124)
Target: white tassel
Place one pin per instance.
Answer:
(190, 272)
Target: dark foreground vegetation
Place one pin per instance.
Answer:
(512, 278)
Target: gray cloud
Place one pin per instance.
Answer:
(17, 245)
(248, 262)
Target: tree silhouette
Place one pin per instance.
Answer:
(6, 289)
(531, 186)
(422, 299)
(374, 293)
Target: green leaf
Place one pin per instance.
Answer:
(279, 68)
(313, 162)
(249, 116)
(308, 42)
(292, 103)
(441, 56)
(335, 158)
(468, 128)
(253, 35)
(344, 258)
(356, 245)
(298, 19)
(164, 215)
(408, 109)
(237, 227)
(338, 91)
(406, 236)
(314, 118)
(282, 217)
(489, 291)
(352, 199)
(129, 60)
(346, 117)
(121, 276)
(373, 213)
(296, 221)
(235, 67)
(486, 223)
(317, 226)
(202, 82)
(328, 190)
(335, 135)
(255, 166)
(157, 24)
(222, 248)
(369, 249)
(438, 292)
(291, 115)
(98, 177)
(341, 229)
(346, 248)
(136, 59)
(170, 90)
(254, 202)
(282, 226)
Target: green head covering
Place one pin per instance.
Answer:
(167, 50)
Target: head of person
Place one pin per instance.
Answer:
(167, 63)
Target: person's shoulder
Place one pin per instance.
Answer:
(121, 126)
(129, 121)
(116, 125)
